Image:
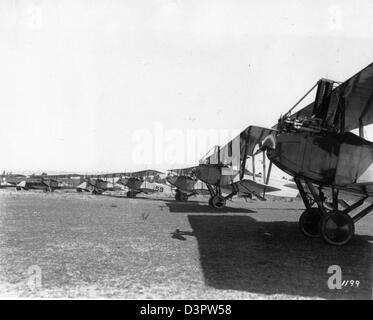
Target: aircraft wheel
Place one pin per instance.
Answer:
(177, 195)
(337, 228)
(18, 188)
(94, 191)
(210, 201)
(309, 223)
(218, 202)
(183, 196)
(131, 194)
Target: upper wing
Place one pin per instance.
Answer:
(107, 175)
(144, 173)
(184, 171)
(235, 153)
(61, 176)
(239, 148)
(353, 99)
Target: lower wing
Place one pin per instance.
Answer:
(249, 186)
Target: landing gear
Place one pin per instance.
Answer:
(217, 202)
(131, 194)
(309, 223)
(337, 228)
(181, 196)
(177, 195)
(210, 201)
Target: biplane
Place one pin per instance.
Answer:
(185, 183)
(37, 182)
(224, 170)
(136, 182)
(98, 184)
(11, 180)
(141, 182)
(317, 147)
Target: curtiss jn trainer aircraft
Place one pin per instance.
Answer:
(98, 184)
(141, 182)
(224, 170)
(9, 180)
(316, 146)
(186, 183)
(37, 182)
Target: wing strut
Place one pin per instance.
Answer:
(268, 175)
(301, 99)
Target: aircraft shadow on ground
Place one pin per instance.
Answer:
(197, 207)
(240, 253)
(144, 197)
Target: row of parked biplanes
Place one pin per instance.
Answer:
(321, 146)
(134, 182)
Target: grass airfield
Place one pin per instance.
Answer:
(152, 247)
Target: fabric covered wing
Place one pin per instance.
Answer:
(353, 97)
(242, 146)
(250, 186)
(356, 94)
(184, 171)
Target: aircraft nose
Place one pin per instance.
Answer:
(171, 179)
(199, 173)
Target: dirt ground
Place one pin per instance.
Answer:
(109, 246)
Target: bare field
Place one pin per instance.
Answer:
(155, 248)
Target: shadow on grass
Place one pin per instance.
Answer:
(198, 207)
(240, 253)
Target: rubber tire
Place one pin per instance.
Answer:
(131, 194)
(340, 235)
(183, 197)
(309, 223)
(210, 201)
(218, 202)
(177, 195)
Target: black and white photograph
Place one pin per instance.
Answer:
(162, 150)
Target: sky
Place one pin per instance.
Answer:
(108, 86)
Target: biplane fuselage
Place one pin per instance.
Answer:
(216, 175)
(184, 183)
(331, 159)
(134, 183)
